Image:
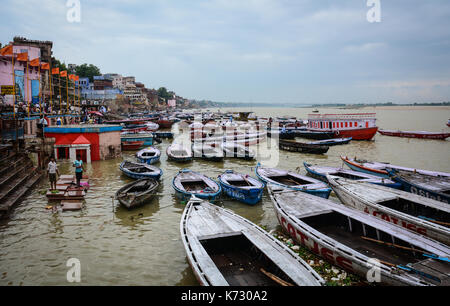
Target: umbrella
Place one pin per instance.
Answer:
(95, 113)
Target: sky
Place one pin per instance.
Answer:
(266, 51)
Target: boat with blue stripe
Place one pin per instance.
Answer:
(149, 155)
(140, 170)
(241, 187)
(293, 180)
(188, 183)
(147, 138)
(320, 173)
(432, 187)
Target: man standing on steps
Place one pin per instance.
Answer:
(52, 171)
(79, 168)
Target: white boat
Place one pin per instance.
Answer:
(225, 249)
(206, 151)
(179, 153)
(236, 150)
(358, 242)
(403, 209)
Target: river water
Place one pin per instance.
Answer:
(142, 246)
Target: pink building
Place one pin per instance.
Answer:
(27, 82)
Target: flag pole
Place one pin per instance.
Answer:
(67, 98)
(50, 76)
(60, 98)
(27, 96)
(14, 86)
(40, 93)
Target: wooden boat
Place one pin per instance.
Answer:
(320, 173)
(152, 126)
(288, 134)
(225, 249)
(149, 155)
(314, 134)
(292, 180)
(433, 187)
(134, 129)
(332, 142)
(241, 187)
(415, 134)
(300, 147)
(403, 209)
(165, 123)
(233, 149)
(206, 151)
(188, 183)
(137, 193)
(179, 153)
(352, 240)
(146, 137)
(167, 135)
(380, 169)
(131, 145)
(140, 170)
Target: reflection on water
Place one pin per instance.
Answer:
(142, 246)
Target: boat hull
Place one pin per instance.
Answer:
(250, 197)
(132, 145)
(357, 134)
(302, 147)
(137, 176)
(185, 196)
(419, 190)
(440, 136)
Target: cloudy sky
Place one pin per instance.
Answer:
(271, 51)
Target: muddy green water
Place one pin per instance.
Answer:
(143, 247)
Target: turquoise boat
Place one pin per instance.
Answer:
(147, 138)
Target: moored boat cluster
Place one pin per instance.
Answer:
(390, 219)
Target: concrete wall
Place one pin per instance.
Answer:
(110, 139)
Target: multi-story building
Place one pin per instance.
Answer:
(102, 83)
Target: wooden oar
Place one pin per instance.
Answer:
(393, 245)
(276, 279)
(434, 221)
(245, 179)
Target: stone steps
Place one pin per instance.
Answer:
(14, 197)
(17, 177)
(15, 172)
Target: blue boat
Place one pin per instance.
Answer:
(320, 173)
(241, 187)
(292, 180)
(140, 170)
(149, 155)
(188, 183)
(433, 187)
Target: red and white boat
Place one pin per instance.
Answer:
(415, 134)
(132, 145)
(358, 126)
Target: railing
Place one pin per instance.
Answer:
(343, 116)
(10, 134)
